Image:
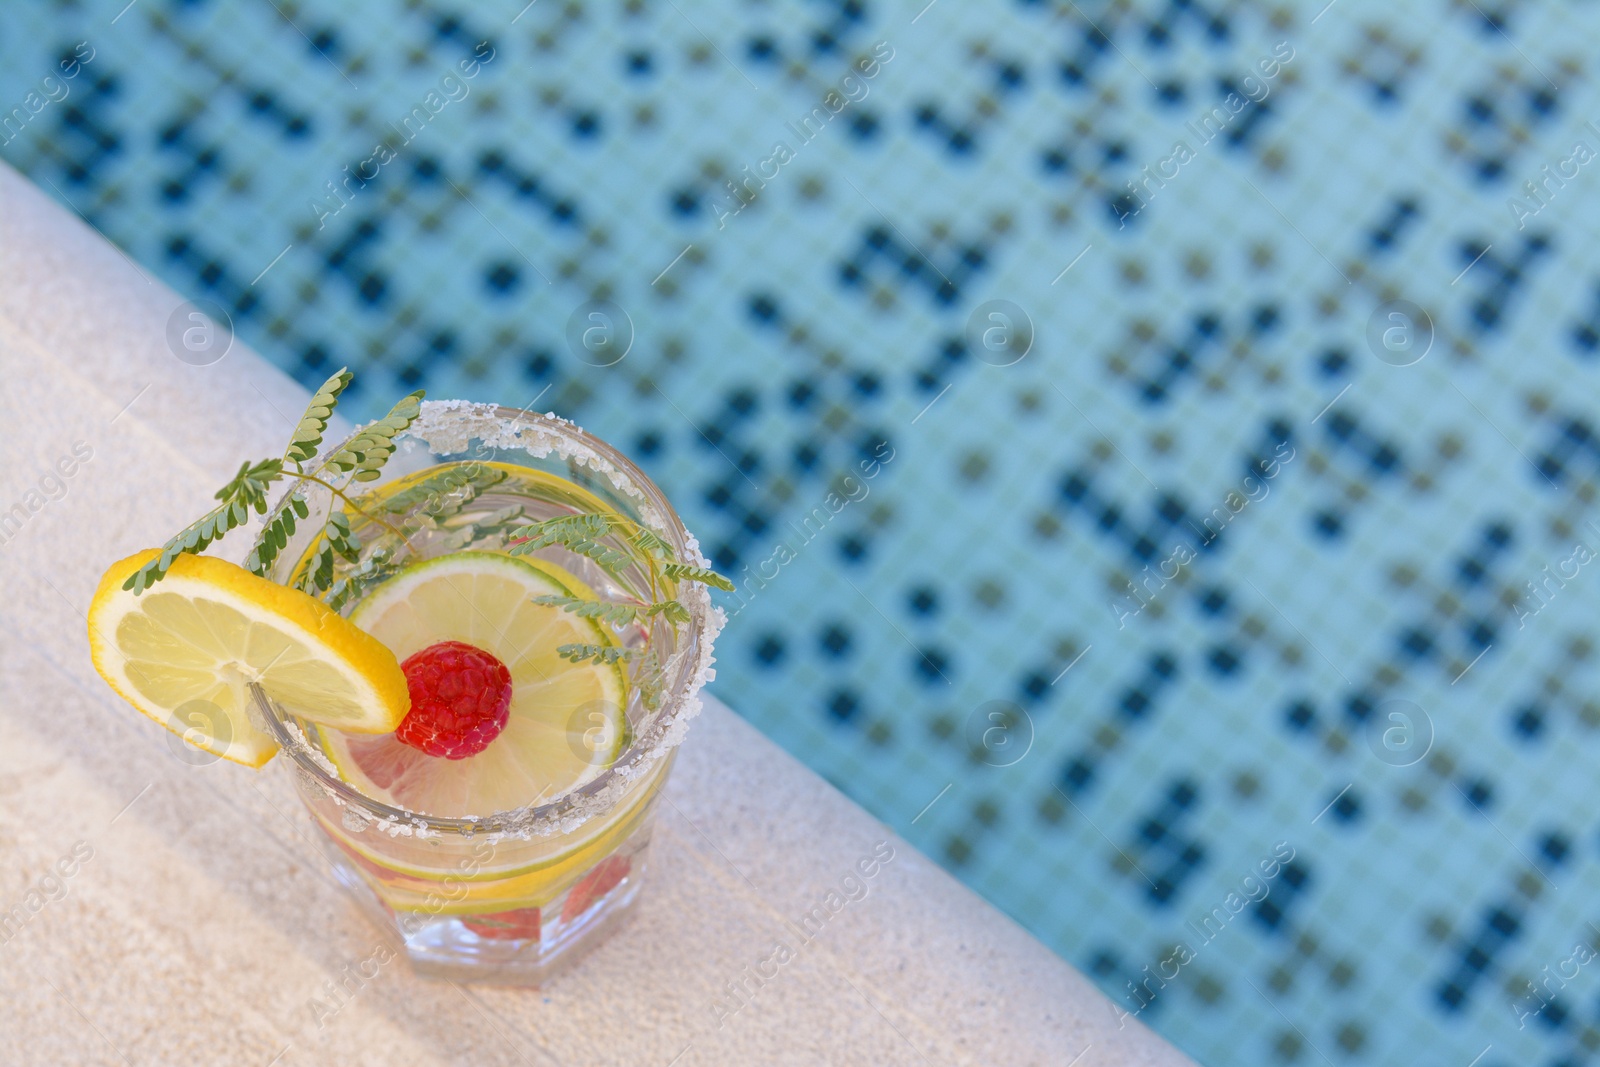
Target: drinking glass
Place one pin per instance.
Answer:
(509, 897)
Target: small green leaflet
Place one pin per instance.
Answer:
(363, 459)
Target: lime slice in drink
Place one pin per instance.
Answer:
(566, 723)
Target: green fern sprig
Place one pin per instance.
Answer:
(460, 485)
(275, 535)
(362, 458)
(377, 567)
(314, 423)
(684, 571)
(576, 533)
(364, 455)
(245, 491)
(608, 654)
(581, 533)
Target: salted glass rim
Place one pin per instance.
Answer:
(447, 427)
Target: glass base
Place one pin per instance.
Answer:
(523, 947)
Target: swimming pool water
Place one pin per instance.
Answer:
(1231, 633)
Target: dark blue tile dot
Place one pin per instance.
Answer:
(932, 664)
(1076, 774)
(1224, 660)
(1451, 996)
(1528, 723)
(763, 308)
(742, 402)
(1294, 876)
(835, 640)
(1416, 643)
(769, 650)
(501, 277)
(1300, 716)
(844, 705)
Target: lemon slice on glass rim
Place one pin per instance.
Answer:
(184, 652)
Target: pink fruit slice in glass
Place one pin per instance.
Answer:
(596, 884)
(516, 925)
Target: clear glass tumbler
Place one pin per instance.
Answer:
(509, 897)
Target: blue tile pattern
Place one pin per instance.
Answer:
(1104, 523)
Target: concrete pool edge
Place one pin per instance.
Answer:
(753, 852)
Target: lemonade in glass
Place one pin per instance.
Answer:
(481, 702)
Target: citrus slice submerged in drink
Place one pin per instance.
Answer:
(566, 720)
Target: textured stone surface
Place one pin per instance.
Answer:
(204, 920)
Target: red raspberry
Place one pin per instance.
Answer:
(460, 700)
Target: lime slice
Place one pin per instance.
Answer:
(184, 651)
(566, 723)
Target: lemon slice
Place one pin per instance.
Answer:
(565, 724)
(184, 651)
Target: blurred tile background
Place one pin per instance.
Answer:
(1215, 384)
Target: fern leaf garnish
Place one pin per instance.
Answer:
(275, 535)
(193, 538)
(604, 610)
(674, 611)
(364, 455)
(564, 530)
(446, 492)
(575, 533)
(650, 542)
(376, 567)
(249, 486)
(681, 571)
(607, 654)
(308, 434)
